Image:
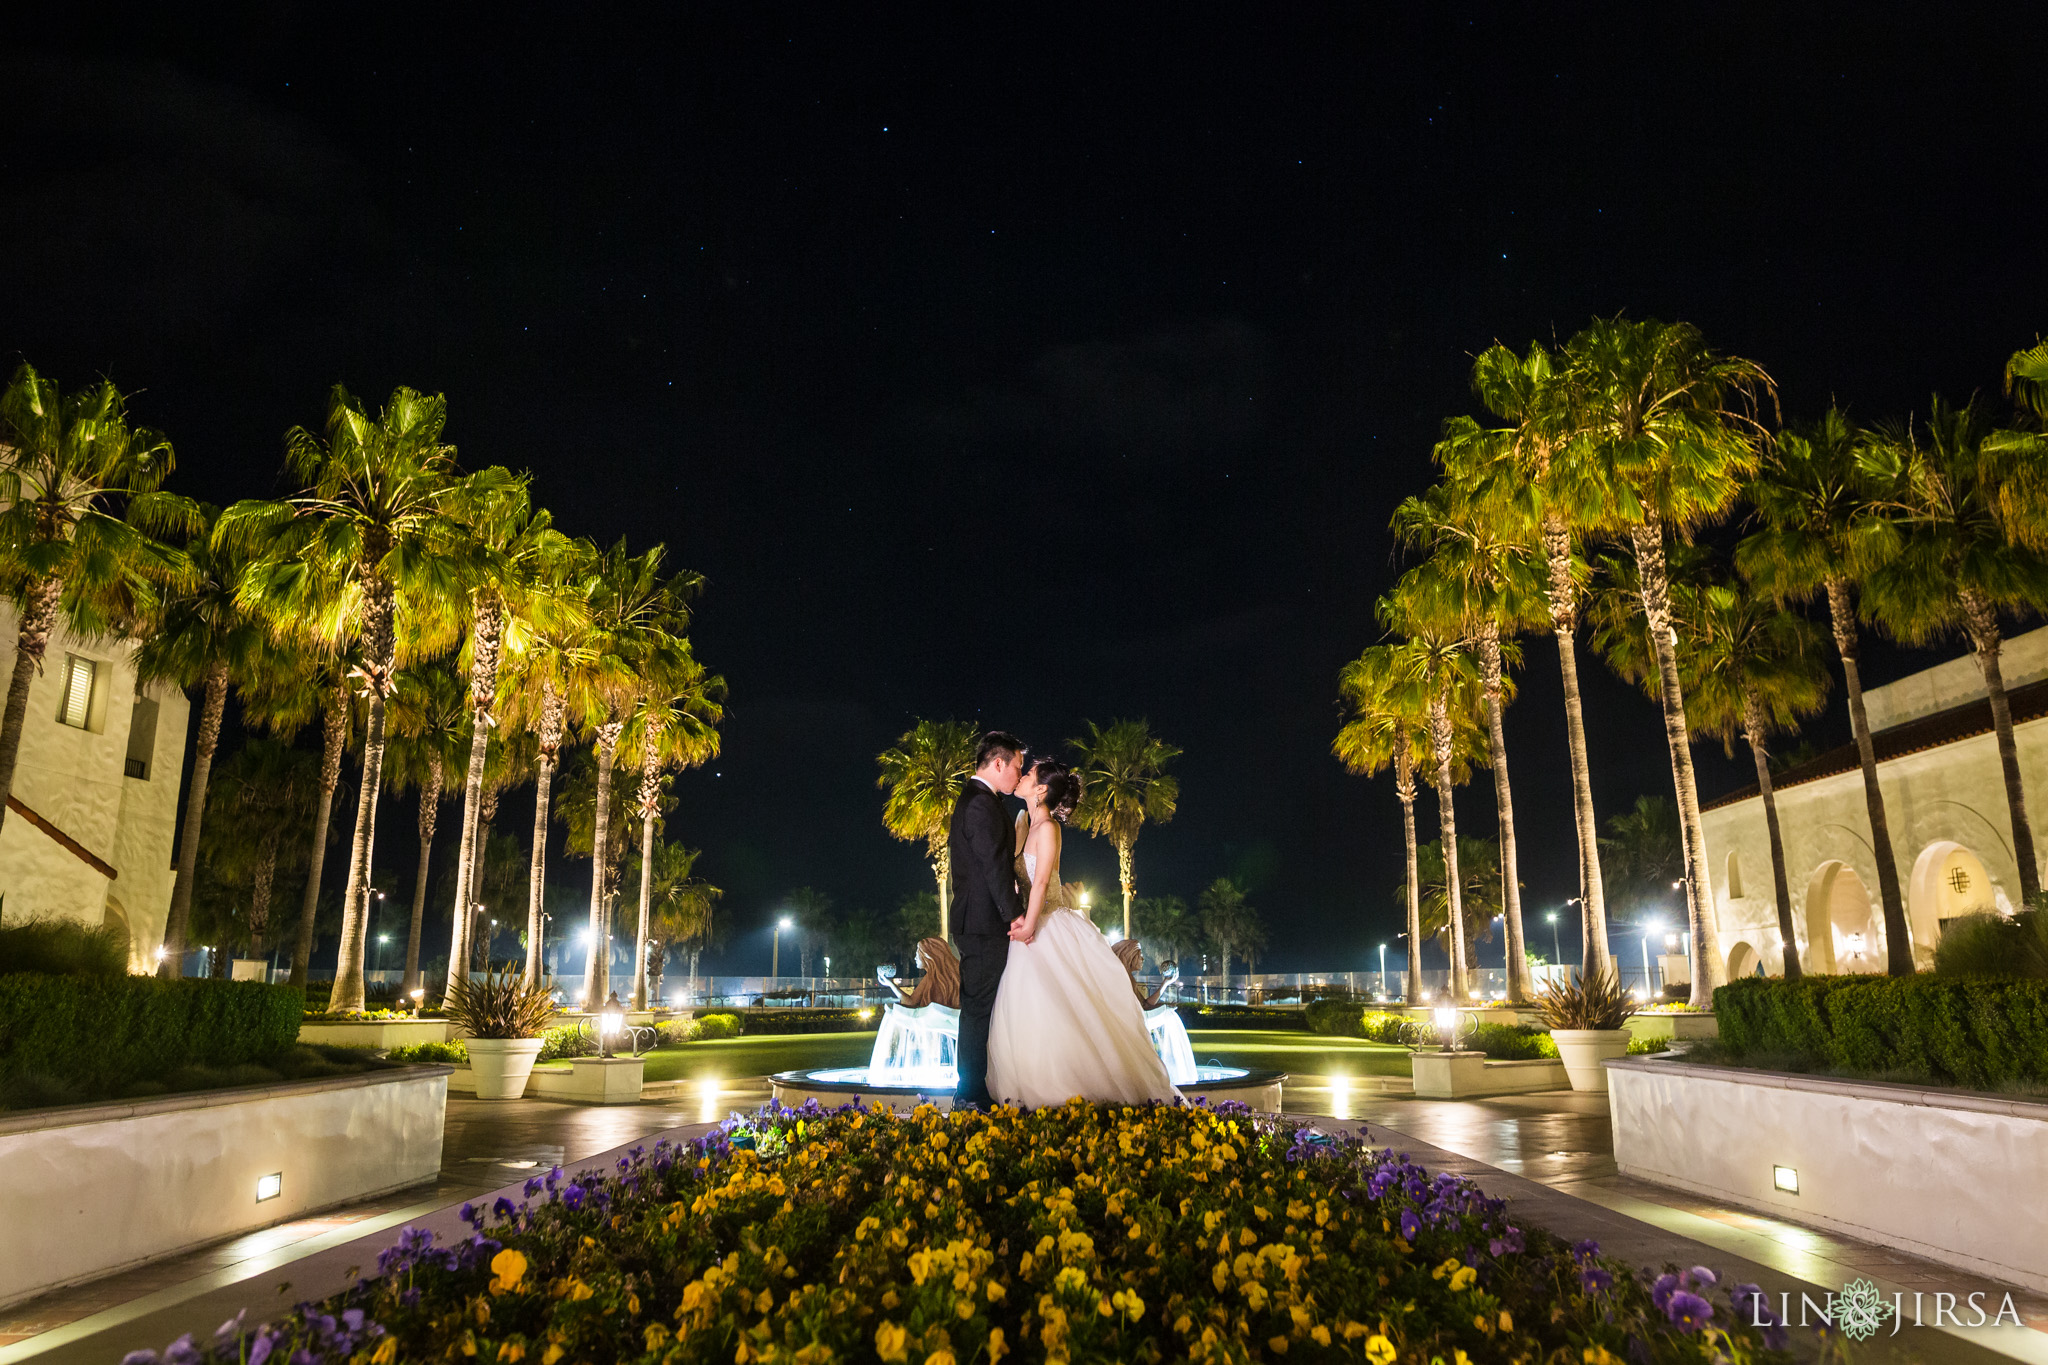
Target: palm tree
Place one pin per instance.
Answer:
(1229, 923)
(306, 679)
(428, 739)
(923, 775)
(2026, 379)
(1531, 471)
(673, 726)
(1960, 561)
(259, 806)
(201, 636)
(679, 905)
(1386, 726)
(371, 537)
(506, 557)
(1484, 576)
(810, 915)
(1124, 784)
(1479, 890)
(638, 617)
(1820, 534)
(1644, 850)
(1440, 677)
(1752, 669)
(80, 500)
(1671, 426)
(1163, 925)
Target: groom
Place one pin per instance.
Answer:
(985, 900)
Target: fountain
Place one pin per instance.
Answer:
(915, 1046)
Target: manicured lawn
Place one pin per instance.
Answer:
(734, 1058)
(1298, 1054)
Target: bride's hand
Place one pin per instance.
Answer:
(1023, 930)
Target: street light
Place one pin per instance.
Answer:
(1556, 946)
(382, 939)
(775, 952)
(1649, 928)
(1383, 971)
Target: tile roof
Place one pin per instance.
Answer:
(1927, 732)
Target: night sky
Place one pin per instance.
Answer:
(1023, 372)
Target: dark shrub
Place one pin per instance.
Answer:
(1980, 1032)
(1510, 1042)
(1241, 1017)
(63, 947)
(1995, 945)
(1336, 1016)
(103, 1033)
(778, 1021)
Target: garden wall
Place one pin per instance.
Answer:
(1946, 1174)
(95, 1188)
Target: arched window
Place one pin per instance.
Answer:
(1735, 891)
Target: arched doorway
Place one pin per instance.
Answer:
(1948, 882)
(1842, 930)
(1743, 961)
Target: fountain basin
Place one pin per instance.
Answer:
(833, 1086)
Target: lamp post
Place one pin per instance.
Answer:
(382, 939)
(775, 951)
(1648, 929)
(1383, 971)
(1556, 945)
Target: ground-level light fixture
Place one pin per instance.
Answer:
(1785, 1178)
(269, 1186)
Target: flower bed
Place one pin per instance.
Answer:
(1076, 1233)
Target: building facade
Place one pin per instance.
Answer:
(94, 809)
(1945, 805)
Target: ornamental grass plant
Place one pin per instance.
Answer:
(499, 1006)
(1076, 1233)
(1595, 1002)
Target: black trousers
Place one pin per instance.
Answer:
(982, 959)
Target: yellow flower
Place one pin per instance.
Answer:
(997, 1347)
(996, 1292)
(552, 1354)
(511, 1353)
(1319, 1334)
(1379, 1350)
(386, 1352)
(1279, 1345)
(1461, 1357)
(942, 1356)
(890, 1340)
(656, 1336)
(1301, 1317)
(964, 1308)
(1600, 1355)
(508, 1268)
(1507, 1321)
(1463, 1278)
(1182, 1323)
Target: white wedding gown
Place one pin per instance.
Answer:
(1066, 1020)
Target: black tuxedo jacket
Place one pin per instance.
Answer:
(985, 897)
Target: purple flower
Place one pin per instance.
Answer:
(265, 1343)
(533, 1187)
(1688, 1311)
(230, 1329)
(1703, 1277)
(471, 1215)
(504, 1209)
(1662, 1290)
(573, 1197)
(352, 1318)
(1411, 1226)
(183, 1351)
(1509, 1241)
(139, 1358)
(1595, 1280)
(1586, 1250)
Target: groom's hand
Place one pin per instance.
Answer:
(1021, 931)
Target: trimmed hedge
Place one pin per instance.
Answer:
(1979, 1032)
(102, 1033)
(1241, 1016)
(1340, 1017)
(755, 1022)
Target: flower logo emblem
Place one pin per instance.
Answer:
(1859, 1310)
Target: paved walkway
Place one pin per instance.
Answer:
(1551, 1154)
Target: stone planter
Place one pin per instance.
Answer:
(1582, 1050)
(1680, 1028)
(381, 1034)
(501, 1066)
(1441, 1075)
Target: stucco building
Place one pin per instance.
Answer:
(90, 822)
(1944, 796)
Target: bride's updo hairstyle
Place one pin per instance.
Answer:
(1062, 787)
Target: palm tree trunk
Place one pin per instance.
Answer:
(1753, 731)
(430, 818)
(1447, 827)
(1898, 937)
(1982, 620)
(1124, 875)
(1503, 796)
(1404, 786)
(379, 647)
(942, 868)
(1708, 970)
(211, 709)
(552, 711)
(38, 619)
(480, 697)
(597, 973)
(259, 895)
(650, 796)
(485, 816)
(335, 738)
(1595, 957)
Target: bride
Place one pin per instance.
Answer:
(1066, 1020)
